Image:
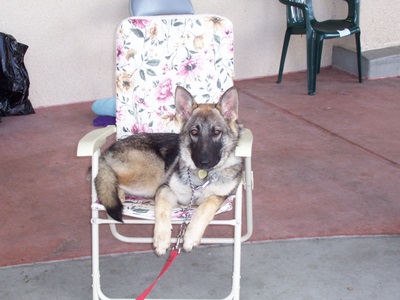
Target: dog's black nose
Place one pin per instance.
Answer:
(205, 164)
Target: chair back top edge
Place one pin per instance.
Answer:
(295, 14)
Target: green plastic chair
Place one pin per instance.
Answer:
(301, 20)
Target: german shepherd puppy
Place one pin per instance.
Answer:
(162, 165)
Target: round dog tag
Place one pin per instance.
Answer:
(202, 174)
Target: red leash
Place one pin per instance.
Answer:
(177, 248)
(172, 256)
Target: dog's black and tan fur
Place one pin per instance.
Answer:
(158, 165)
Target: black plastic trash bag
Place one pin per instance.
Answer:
(14, 79)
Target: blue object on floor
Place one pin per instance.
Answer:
(105, 107)
(104, 121)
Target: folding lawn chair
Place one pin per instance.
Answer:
(154, 55)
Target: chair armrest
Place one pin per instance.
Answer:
(245, 143)
(307, 11)
(353, 11)
(293, 3)
(92, 141)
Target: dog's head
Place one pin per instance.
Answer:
(209, 132)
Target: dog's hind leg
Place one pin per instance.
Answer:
(203, 216)
(107, 190)
(164, 200)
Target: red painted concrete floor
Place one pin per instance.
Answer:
(325, 165)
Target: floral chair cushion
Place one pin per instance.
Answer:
(144, 208)
(155, 54)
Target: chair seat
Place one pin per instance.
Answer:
(143, 208)
(335, 28)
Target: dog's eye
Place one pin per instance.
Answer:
(217, 132)
(194, 132)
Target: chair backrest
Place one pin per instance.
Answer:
(295, 16)
(353, 14)
(156, 54)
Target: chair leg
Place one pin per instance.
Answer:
(358, 45)
(248, 186)
(237, 245)
(95, 258)
(312, 55)
(95, 233)
(283, 56)
(320, 46)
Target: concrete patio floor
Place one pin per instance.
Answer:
(326, 166)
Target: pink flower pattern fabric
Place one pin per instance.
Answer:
(137, 207)
(155, 54)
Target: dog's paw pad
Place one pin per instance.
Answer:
(189, 244)
(160, 251)
(161, 247)
(161, 243)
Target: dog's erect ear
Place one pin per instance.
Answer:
(184, 104)
(228, 105)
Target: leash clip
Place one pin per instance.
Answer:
(202, 186)
(179, 238)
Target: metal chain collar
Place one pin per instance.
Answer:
(185, 223)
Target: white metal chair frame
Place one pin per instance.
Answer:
(90, 145)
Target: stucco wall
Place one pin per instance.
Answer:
(71, 42)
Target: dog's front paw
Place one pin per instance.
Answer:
(162, 241)
(189, 245)
(161, 246)
(191, 240)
